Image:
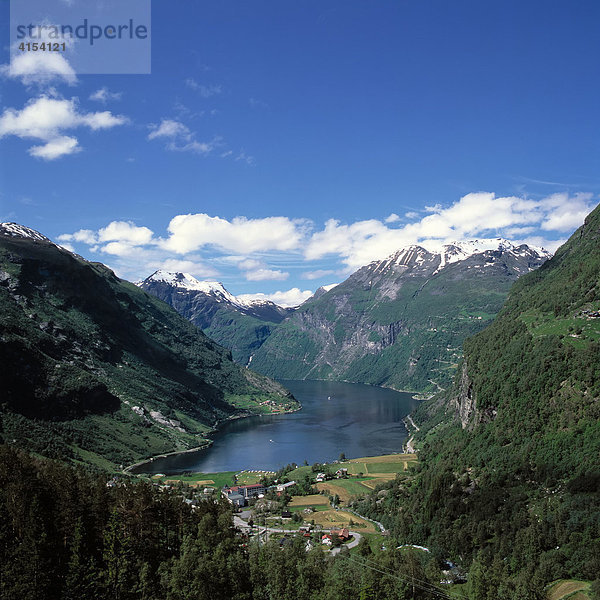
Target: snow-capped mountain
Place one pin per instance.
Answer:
(187, 282)
(238, 324)
(399, 321)
(447, 254)
(16, 230)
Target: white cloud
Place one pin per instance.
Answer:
(393, 218)
(289, 298)
(45, 118)
(241, 247)
(249, 264)
(40, 68)
(125, 231)
(87, 236)
(104, 95)
(56, 148)
(120, 249)
(478, 214)
(169, 128)
(180, 138)
(198, 269)
(516, 232)
(566, 213)
(206, 91)
(120, 238)
(317, 274)
(240, 235)
(266, 275)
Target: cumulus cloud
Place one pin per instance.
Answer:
(393, 218)
(104, 95)
(45, 118)
(125, 231)
(120, 238)
(565, 213)
(478, 214)
(289, 298)
(240, 235)
(180, 138)
(254, 249)
(266, 275)
(87, 236)
(56, 148)
(40, 68)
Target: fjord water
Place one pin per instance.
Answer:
(356, 419)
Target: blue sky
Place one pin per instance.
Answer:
(303, 139)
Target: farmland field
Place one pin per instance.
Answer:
(568, 588)
(339, 518)
(312, 500)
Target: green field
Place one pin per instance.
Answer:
(219, 479)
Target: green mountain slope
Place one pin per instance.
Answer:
(94, 369)
(398, 322)
(511, 470)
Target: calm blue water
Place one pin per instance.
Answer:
(359, 420)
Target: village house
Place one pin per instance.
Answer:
(343, 533)
(236, 499)
(283, 486)
(254, 490)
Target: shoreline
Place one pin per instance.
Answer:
(419, 396)
(407, 448)
(215, 429)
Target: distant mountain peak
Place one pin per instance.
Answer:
(16, 230)
(187, 281)
(239, 323)
(417, 254)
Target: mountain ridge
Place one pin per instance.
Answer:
(239, 325)
(96, 370)
(510, 479)
(394, 321)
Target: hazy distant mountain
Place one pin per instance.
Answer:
(95, 369)
(239, 325)
(401, 321)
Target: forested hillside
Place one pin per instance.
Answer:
(511, 469)
(65, 535)
(95, 370)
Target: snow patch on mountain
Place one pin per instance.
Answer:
(454, 252)
(185, 281)
(16, 230)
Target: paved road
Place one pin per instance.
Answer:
(238, 522)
